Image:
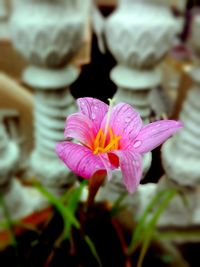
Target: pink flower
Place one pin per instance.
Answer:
(110, 138)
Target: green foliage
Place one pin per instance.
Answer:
(8, 222)
(66, 211)
(145, 228)
(67, 206)
(193, 234)
(117, 205)
(92, 249)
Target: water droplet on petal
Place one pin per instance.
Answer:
(127, 119)
(93, 116)
(95, 107)
(137, 144)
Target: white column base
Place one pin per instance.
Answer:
(53, 103)
(111, 190)
(51, 172)
(134, 87)
(22, 201)
(180, 167)
(182, 211)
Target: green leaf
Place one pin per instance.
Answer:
(193, 234)
(138, 231)
(71, 199)
(117, 205)
(65, 211)
(149, 230)
(93, 249)
(72, 204)
(8, 221)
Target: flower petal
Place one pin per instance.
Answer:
(80, 127)
(131, 168)
(125, 122)
(154, 134)
(108, 166)
(94, 109)
(79, 159)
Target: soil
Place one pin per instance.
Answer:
(41, 249)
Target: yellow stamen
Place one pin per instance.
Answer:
(98, 137)
(106, 140)
(99, 144)
(112, 144)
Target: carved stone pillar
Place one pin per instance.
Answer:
(19, 200)
(48, 33)
(181, 154)
(139, 34)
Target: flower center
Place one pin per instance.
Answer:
(105, 142)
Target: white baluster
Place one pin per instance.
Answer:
(48, 33)
(181, 154)
(20, 201)
(139, 34)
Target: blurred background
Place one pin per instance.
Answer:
(142, 52)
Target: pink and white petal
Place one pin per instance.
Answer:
(107, 164)
(131, 168)
(154, 134)
(79, 159)
(81, 128)
(94, 109)
(125, 122)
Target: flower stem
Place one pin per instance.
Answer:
(94, 184)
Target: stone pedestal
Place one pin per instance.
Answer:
(184, 167)
(136, 203)
(20, 201)
(53, 103)
(183, 210)
(134, 87)
(48, 33)
(139, 34)
(181, 156)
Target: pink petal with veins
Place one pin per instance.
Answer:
(154, 134)
(125, 122)
(107, 164)
(79, 159)
(94, 109)
(81, 128)
(131, 168)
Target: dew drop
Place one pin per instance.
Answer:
(127, 119)
(137, 144)
(93, 116)
(95, 107)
